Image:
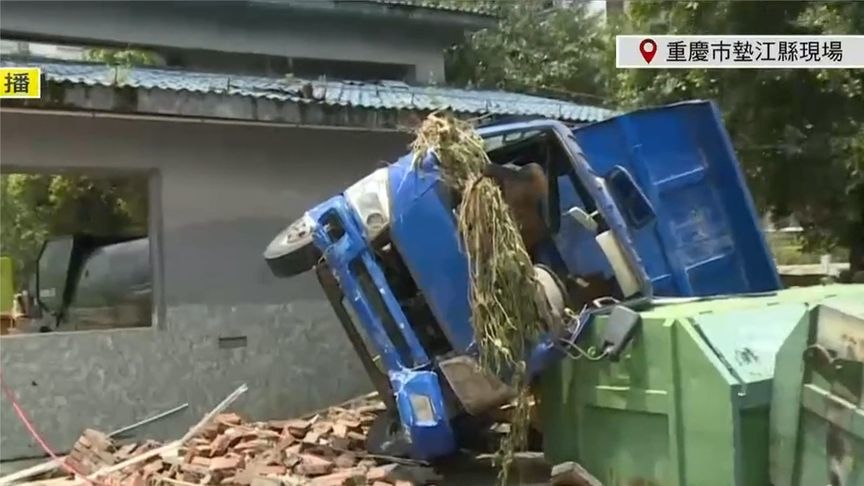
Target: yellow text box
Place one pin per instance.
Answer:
(23, 82)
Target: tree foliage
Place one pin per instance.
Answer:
(122, 57)
(535, 49)
(799, 134)
(36, 207)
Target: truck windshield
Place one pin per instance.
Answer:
(573, 247)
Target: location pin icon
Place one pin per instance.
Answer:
(648, 48)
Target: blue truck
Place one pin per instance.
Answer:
(648, 204)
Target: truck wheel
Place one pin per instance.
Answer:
(293, 251)
(387, 438)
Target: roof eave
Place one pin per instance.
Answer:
(451, 19)
(216, 107)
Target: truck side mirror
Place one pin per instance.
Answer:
(634, 205)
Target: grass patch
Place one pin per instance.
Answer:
(788, 250)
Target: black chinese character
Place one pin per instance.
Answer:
(788, 51)
(810, 51)
(722, 49)
(699, 51)
(16, 83)
(676, 51)
(832, 50)
(764, 49)
(743, 50)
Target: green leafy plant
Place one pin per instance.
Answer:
(122, 57)
(504, 313)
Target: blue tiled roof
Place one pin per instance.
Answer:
(383, 95)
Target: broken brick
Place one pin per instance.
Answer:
(291, 460)
(353, 477)
(275, 470)
(379, 473)
(226, 462)
(322, 427)
(193, 470)
(312, 465)
(153, 465)
(345, 460)
(572, 474)
(125, 451)
(356, 436)
(325, 449)
(350, 423)
(261, 481)
(341, 443)
(229, 418)
(399, 472)
(297, 427)
(312, 437)
(136, 479)
(252, 445)
(340, 429)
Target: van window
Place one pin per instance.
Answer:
(82, 239)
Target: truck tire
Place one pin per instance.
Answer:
(293, 251)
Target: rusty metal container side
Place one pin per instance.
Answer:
(689, 401)
(817, 415)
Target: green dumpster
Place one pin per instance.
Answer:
(689, 402)
(817, 415)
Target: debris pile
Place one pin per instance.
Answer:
(327, 449)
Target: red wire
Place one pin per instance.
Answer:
(26, 421)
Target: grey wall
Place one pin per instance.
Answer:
(224, 27)
(223, 191)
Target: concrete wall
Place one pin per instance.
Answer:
(222, 27)
(221, 193)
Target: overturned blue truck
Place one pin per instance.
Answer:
(646, 205)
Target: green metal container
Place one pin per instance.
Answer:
(689, 402)
(817, 414)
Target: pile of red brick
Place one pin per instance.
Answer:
(325, 450)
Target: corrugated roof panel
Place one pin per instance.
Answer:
(475, 7)
(384, 95)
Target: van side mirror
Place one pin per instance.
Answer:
(25, 306)
(633, 203)
(52, 272)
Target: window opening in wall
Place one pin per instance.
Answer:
(77, 247)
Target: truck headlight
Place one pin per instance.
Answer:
(370, 198)
(424, 412)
